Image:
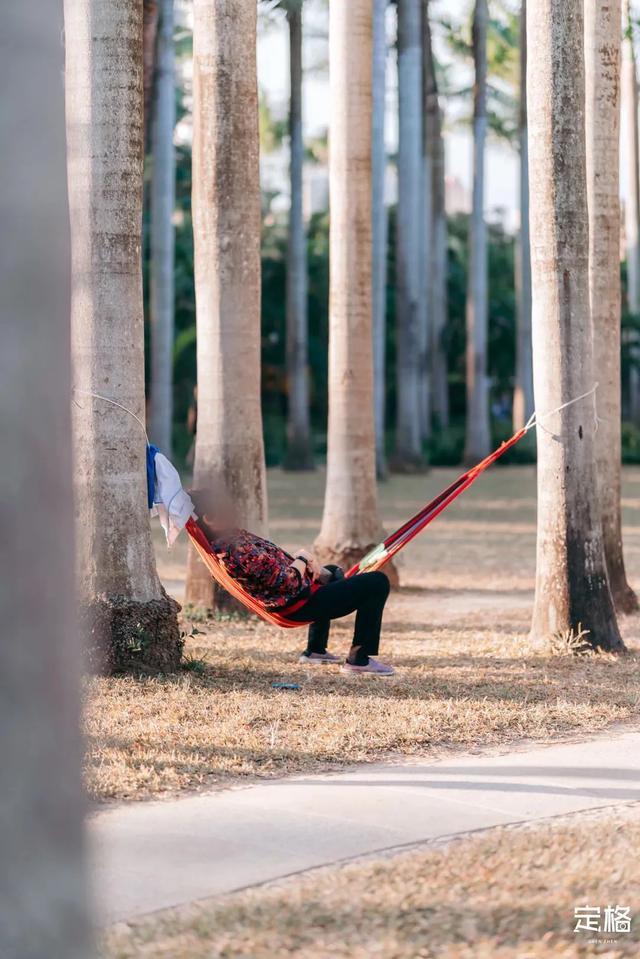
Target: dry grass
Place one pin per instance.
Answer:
(467, 676)
(507, 894)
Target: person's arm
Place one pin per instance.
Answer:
(300, 565)
(318, 573)
(311, 566)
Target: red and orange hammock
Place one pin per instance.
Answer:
(376, 558)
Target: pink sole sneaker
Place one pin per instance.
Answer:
(373, 668)
(318, 659)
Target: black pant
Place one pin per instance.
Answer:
(365, 593)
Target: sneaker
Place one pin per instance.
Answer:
(317, 659)
(373, 667)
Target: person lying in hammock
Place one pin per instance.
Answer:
(298, 587)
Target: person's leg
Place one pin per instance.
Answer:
(366, 636)
(365, 593)
(318, 635)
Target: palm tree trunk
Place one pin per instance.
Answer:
(130, 618)
(350, 523)
(439, 291)
(226, 234)
(409, 267)
(43, 885)
(602, 63)
(572, 589)
(426, 228)
(163, 193)
(629, 91)
(478, 439)
(523, 392)
(149, 35)
(437, 261)
(380, 229)
(299, 455)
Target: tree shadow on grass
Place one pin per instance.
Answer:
(535, 679)
(511, 625)
(452, 591)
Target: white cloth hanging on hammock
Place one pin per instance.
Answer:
(171, 503)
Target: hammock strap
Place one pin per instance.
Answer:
(386, 550)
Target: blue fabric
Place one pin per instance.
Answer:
(151, 473)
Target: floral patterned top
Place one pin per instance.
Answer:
(262, 568)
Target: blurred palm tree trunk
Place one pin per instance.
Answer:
(125, 608)
(226, 233)
(163, 194)
(439, 290)
(602, 68)
(426, 227)
(43, 884)
(380, 229)
(572, 589)
(437, 261)
(409, 422)
(629, 90)
(523, 392)
(350, 523)
(150, 15)
(299, 454)
(478, 438)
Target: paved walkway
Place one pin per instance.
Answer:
(150, 856)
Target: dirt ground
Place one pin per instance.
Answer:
(468, 676)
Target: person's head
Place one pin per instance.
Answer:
(214, 510)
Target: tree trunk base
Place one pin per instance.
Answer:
(578, 636)
(204, 598)
(472, 458)
(126, 636)
(624, 599)
(346, 558)
(298, 457)
(382, 468)
(408, 464)
(224, 604)
(292, 463)
(199, 588)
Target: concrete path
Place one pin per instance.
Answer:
(150, 856)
